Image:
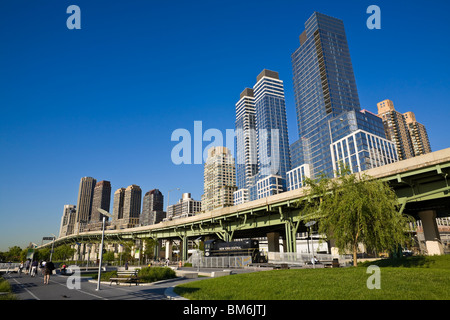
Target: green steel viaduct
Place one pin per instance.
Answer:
(421, 184)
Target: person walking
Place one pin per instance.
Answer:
(34, 266)
(27, 266)
(42, 266)
(48, 269)
(20, 268)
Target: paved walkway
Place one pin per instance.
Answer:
(33, 288)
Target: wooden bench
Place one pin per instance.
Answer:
(130, 276)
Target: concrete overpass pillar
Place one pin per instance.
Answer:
(156, 249)
(273, 241)
(431, 233)
(273, 244)
(291, 241)
(184, 248)
(332, 249)
(169, 244)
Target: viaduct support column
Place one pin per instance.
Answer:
(156, 249)
(431, 233)
(273, 241)
(291, 241)
(184, 248)
(273, 244)
(169, 249)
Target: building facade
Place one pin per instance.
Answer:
(131, 206)
(246, 140)
(324, 88)
(68, 220)
(271, 126)
(418, 134)
(185, 207)
(101, 199)
(262, 140)
(152, 208)
(396, 129)
(119, 199)
(219, 179)
(361, 150)
(297, 176)
(84, 202)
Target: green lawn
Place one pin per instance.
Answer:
(415, 278)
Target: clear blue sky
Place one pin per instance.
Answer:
(103, 101)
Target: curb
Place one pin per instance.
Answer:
(171, 295)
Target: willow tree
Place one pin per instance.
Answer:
(354, 209)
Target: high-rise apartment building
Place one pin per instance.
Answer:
(418, 134)
(132, 206)
(362, 151)
(84, 202)
(271, 126)
(329, 117)
(324, 88)
(185, 207)
(246, 140)
(152, 208)
(102, 200)
(68, 220)
(219, 179)
(396, 128)
(119, 200)
(262, 140)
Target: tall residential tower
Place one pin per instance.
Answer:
(328, 108)
(396, 128)
(152, 208)
(262, 141)
(219, 179)
(84, 202)
(102, 200)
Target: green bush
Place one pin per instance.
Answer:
(152, 274)
(106, 276)
(5, 287)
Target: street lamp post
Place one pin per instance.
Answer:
(310, 224)
(105, 214)
(53, 238)
(53, 246)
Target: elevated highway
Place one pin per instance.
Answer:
(421, 184)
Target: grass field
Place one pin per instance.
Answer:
(414, 278)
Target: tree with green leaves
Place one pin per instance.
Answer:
(354, 209)
(63, 252)
(14, 254)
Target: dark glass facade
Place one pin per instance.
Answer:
(325, 90)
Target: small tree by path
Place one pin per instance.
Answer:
(353, 210)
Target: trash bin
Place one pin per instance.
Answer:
(335, 263)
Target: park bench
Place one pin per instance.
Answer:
(130, 276)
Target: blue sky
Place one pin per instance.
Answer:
(103, 101)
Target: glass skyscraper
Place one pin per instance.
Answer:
(262, 141)
(327, 102)
(271, 125)
(246, 144)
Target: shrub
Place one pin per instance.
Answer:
(152, 274)
(106, 276)
(5, 290)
